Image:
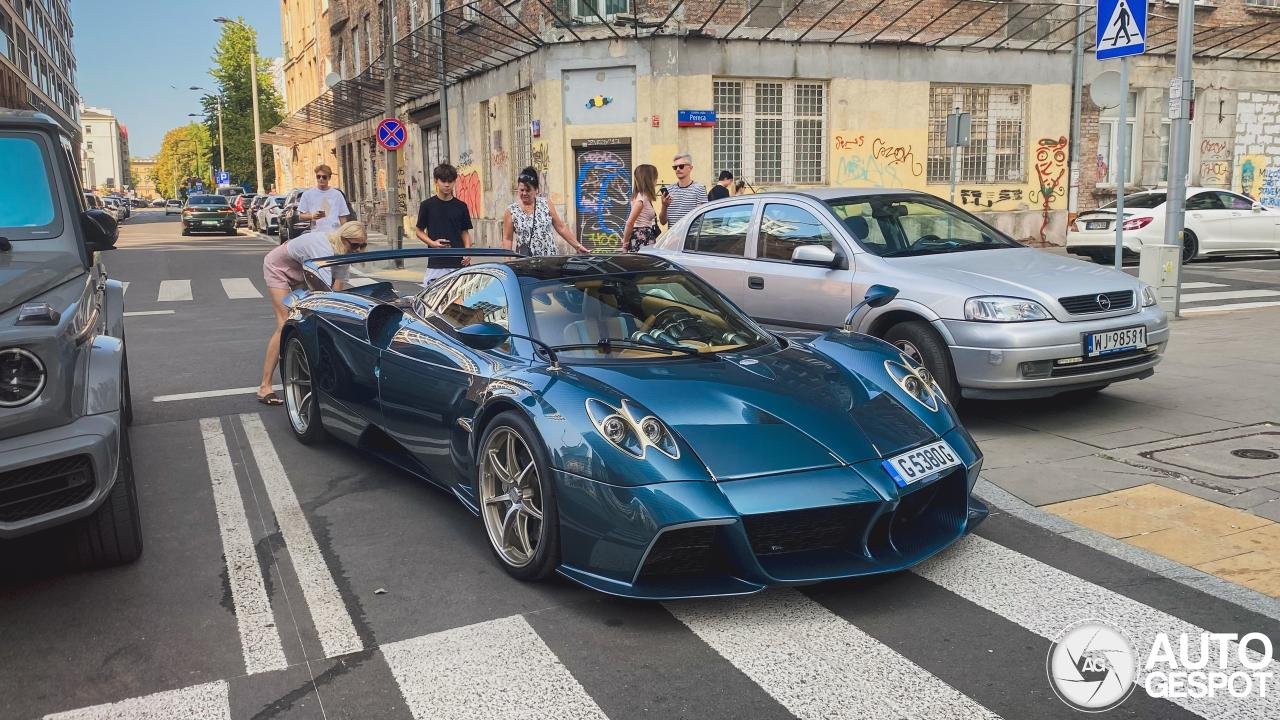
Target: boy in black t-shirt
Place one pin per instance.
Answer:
(444, 221)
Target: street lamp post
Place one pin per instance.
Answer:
(253, 76)
(222, 156)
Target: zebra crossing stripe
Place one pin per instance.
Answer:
(495, 670)
(259, 636)
(1200, 285)
(818, 665)
(174, 291)
(328, 610)
(1045, 600)
(1227, 308)
(239, 288)
(1228, 295)
(210, 701)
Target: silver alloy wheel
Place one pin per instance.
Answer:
(910, 351)
(511, 497)
(297, 387)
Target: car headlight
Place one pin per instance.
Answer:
(916, 381)
(630, 434)
(1149, 296)
(1004, 309)
(22, 377)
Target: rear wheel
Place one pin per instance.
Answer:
(1190, 246)
(920, 342)
(517, 498)
(112, 535)
(299, 394)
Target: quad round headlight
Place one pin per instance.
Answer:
(22, 377)
(615, 429)
(652, 429)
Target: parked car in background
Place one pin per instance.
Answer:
(158, 203)
(251, 211)
(989, 317)
(92, 202)
(240, 204)
(172, 207)
(268, 215)
(112, 205)
(66, 473)
(123, 204)
(1218, 222)
(229, 191)
(208, 213)
(290, 225)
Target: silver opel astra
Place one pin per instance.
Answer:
(990, 318)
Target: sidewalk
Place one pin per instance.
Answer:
(1185, 464)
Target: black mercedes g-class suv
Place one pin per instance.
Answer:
(65, 467)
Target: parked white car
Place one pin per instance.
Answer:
(1218, 222)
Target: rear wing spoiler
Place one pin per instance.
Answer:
(381, 255)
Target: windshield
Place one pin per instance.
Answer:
(904, 226)
(667, 308)
(27, 207)
(207, 200)
(1141, 201)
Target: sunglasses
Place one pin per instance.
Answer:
(357, 246)
(323, 177)
(681, 166)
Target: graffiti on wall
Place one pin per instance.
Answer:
(1215, 163)
(467, 188)
(604, 197)
(862, 159)
(1051, 169)
(1259, 179)
(1269, 195)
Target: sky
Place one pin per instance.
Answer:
(130, 52)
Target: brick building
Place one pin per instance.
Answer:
(305, 64)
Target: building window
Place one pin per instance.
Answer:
(521, 129)
(589, 9)
(770, 131)
(997, 138)
(355, 50)
(1109, 144)
(368, 43)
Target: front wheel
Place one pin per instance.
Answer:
(920, 342)
(299, 395)
(112, 535)
(517, 498)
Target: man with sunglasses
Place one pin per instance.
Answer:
(685, 196)
(325, 207)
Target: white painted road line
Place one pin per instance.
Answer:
(238, 288)
(1200, 285)
(1228, 295)
(138, 313)
(495, 670)
(210, 701)
(209, 393)
(174, 290)
(1045, 600)
(818, 665)
(259, 635)
(1227, 308)
(328, 611)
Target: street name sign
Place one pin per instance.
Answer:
(391, 134)
(1122, 29)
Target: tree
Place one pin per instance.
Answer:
(231, 72)
(183, 158)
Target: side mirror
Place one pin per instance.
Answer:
(1257, 206)
(100, 230)
(877, 296)
(818, 255)
(483, 336)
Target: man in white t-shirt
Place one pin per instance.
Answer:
(324, 206)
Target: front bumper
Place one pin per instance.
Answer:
(54, 476)
(1019, 360)
(707, 539)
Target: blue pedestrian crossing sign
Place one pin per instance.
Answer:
(391, 134)
(1122, 29)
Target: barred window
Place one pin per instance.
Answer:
(770, 131)
(521, 130)
(997, 141)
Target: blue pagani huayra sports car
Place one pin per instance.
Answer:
(617, 420)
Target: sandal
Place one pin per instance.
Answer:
(270, 399)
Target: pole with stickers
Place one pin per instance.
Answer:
(1121, 32)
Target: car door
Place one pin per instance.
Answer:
(1211, 220)
(782, 292)
(427, 375)
(715, 248)
(1253, 227)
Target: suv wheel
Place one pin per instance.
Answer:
(113, 534)
(920, 342)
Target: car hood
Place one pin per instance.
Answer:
(754, 414)
(1018, 272)
(26, 274)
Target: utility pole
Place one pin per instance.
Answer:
(1181, 99)
(444, 87)
(394, 225)
(1077, 90)
(222, 147)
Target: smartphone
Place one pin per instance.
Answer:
(664, 191)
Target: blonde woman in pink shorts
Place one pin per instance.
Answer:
(282, 271)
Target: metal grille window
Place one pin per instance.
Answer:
(587, 9)
(770, 131)
(521, 129)
(997, 142)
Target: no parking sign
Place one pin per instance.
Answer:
(391, 134)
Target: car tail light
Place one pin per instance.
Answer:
(1075, 227)
(1137, 223)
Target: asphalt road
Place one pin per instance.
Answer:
(283, 581)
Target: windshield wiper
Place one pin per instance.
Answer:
(610, 344)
